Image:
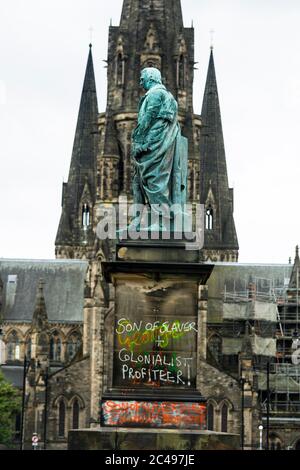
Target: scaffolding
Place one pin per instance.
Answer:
(284, 375)
(263, 290)
(263, 301)
(284, 388)
(288, 322)
(254, 303)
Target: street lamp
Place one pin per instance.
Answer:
(268, 404)
(1, 350)
(46, 407)
(260, 427)
(25, 370)
(242, 382)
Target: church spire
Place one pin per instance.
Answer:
(40, 318)
(220, 233)
(295, 276)
(79, 191)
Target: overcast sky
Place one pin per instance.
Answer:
(43, 53)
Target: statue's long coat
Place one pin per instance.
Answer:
(161, 165)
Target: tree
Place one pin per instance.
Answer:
(10, 405)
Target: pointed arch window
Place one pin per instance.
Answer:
(181, 73)
(73, 345)
(209, 218)
(297, 445)
(215, 347)
(210, 417)
(55, 347)
(224, 417)
(13, 347)
(51, 349)
(85, 216)
(17, 350)
(10, 352)
(61, 418)
(275, 442)
(120, 69)
(75, 417)
(28, 348)
(43, 343)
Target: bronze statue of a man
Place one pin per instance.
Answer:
(159, 151)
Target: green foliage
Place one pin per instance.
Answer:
(10, 404)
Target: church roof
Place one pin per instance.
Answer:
(13, 374)
(63, 289)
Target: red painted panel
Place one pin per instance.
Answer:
(154, 414)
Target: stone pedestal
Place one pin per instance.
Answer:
(155, 333)
(154, 336)
(158, 250)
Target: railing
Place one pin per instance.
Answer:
(248, 296)
(290, 370)
(283, 407)
(288, 316)
(286, 332)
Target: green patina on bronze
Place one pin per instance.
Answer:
(159, 151)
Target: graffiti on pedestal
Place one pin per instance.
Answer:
(155, 353)
(154, 414)
(136, 334)
(155, 367)
(155, 334)
(154, 359)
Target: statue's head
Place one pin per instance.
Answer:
(150, 76)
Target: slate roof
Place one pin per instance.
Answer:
(13, 375)
(235, 278)
(63, 288)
